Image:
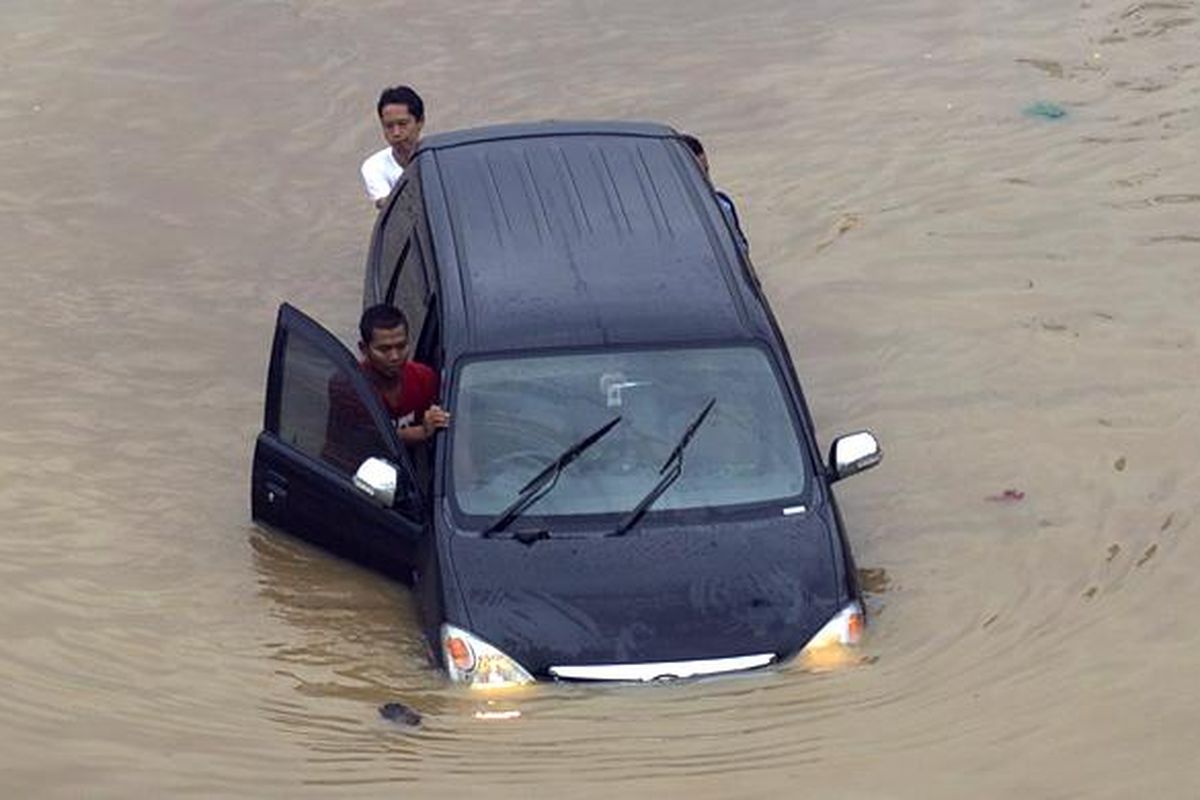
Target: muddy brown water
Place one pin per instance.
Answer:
(1008, 301)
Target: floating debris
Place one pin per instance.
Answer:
(1007, 496)
(400, 713)
(1045, 110)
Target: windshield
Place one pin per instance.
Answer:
(514, 416)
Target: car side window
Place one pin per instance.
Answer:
(410, 290)
(394, 234)
(398, 274)
(429, 341)
(321, 414)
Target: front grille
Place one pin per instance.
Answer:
(660, 670)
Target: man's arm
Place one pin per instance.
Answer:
(434, 419)
(377, 185)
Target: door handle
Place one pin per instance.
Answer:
(276, 488)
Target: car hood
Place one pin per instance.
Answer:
(659, 593)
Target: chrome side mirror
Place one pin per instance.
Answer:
(377, 479)
(853, 453)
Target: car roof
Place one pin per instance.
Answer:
(525, 130)
(582, 233)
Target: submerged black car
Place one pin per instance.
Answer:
(631, 487)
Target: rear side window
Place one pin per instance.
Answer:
(400, 275)
(320, 412)
(397, 229)
(411, 288)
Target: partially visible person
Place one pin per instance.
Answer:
(401, 116)
(406, 388)
(723, 199)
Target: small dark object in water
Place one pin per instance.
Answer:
(398, 712)
(1044, 110)
(1007, 496)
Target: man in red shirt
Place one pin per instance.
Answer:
(408, 389)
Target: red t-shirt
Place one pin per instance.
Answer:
(408, 395)
(350, 435)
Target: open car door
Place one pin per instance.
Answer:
(328, 465)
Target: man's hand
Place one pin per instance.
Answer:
(435, 418)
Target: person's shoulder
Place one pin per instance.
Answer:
(377, 160)
(419, 370)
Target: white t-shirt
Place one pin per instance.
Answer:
(380, 173)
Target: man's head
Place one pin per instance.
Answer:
(697, 150)
(401, 115)
(384, 342)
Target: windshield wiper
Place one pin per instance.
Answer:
(544, 481)
(671, 469)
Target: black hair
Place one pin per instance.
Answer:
(693, 144)
(380, 317)
(402, 96)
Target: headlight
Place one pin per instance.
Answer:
(831, 646)
(473, 661)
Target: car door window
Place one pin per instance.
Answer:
(321, 413)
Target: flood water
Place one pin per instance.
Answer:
(1009, 300)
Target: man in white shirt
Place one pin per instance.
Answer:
(401, 115)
